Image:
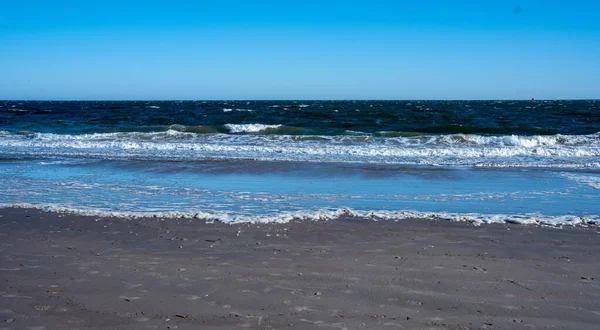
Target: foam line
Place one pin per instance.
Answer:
(323, 215)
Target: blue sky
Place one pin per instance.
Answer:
(225, 49)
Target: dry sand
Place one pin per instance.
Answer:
(74, 272)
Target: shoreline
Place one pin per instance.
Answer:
(71, 271)
(476, 219)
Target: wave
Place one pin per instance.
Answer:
(266, 129)
(185, 143)
(199, 129)
(323, 215)
(254, 129)
(465, 129)
(397, 134)
(251, 128)
(407, 138)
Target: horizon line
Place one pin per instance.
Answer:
(279, 100)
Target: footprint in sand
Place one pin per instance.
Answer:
(306, 295)
(10, 295)
(131, 286)
(129, 298)
(414, 302)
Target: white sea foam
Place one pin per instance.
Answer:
(59, 162)
(592, 181)
(456, 149)
(249, 128)
(322, 215)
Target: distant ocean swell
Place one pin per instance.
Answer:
(423, 149)
(385, 118)
(279, 129)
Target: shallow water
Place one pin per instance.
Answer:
(251, 191)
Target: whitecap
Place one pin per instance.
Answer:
(445, 150)
(249, 128)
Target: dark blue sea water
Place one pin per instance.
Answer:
(484, 161)
(376, 118)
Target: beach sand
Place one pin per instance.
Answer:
(72, 272)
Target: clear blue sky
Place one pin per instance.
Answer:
(326, 49)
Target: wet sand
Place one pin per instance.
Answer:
(74, 272)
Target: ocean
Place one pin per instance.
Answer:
(274, 161)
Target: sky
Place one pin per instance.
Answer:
(326, 49)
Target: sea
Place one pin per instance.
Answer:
(275, 161)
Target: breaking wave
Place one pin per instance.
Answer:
(251, 128)
(183, 144)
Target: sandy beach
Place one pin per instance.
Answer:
(72, 272)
